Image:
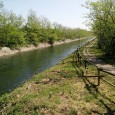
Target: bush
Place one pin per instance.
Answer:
(51, 40)
(15, 39)
(32, 38)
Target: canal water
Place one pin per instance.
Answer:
(18, 68)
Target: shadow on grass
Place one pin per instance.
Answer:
(77, 65)
(107, 59)
(101, 55)
(93, 89)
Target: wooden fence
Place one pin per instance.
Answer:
(85, 63)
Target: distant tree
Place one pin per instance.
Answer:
(10, 30)
(16, 32)
(1, 5)
(32, 28)
(33, 21)
(45, 23)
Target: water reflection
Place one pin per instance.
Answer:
(18, 68)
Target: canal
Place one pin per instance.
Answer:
(18, 68)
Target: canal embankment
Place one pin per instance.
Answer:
(5, 51)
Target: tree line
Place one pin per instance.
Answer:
(15, 31)
(102, 21)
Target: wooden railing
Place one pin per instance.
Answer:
(79, 58)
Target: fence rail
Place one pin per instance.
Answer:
(85, 62)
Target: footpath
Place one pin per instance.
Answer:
(90, 56)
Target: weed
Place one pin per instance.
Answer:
(72, 112)
(89, 98)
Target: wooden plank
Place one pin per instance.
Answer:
(94, 76)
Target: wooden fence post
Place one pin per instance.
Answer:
(80, 59)
(78, 56)
(98, 76)
(85, 64)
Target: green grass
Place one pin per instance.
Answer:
(60, 90)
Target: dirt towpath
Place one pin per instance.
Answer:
(90, 56)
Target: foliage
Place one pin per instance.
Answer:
(102, 20)
(15, 31)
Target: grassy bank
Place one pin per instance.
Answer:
(61, 89)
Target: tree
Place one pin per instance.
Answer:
(102, 18)
(16, 21)
(15, 33)
(32, 28)
(33, 21)
(10, 30)
(45, 23)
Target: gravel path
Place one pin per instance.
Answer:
(99, 63)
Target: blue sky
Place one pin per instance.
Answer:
(69, 13)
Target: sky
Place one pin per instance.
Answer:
(69, 13)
